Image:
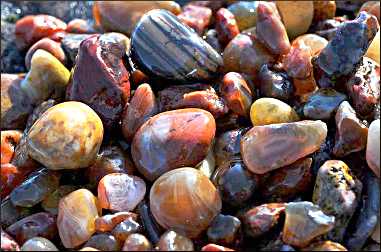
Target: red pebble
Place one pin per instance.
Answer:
(226, 26)
(48, 45)
(78, 25)
(196, 17)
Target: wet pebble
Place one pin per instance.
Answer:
(225, 230)
(137, 242)
(196, 17)
(49, 45)
(79, 26)
(245, 13)
(107, 222)
(38, 244)
(125, 229)
(226, 26)
(228, 145)
(8, 243)
(275, 83)
(70, 44)
(103, 242)
(172, 241)
(315, 42)
(50, 203)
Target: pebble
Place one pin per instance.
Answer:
(101, 55)
(315, 42)
(372, 7)
(137, 242)
(103, 242)
(70, 44)
(215, 247)
(291, 141)
(107, 222)
(373, 147)
(373, 51)
(196, 17)
(165, 48)
(79, 26)
(8, 243)
(50, 203)
(171, 140)
(208, 165)
(67, 136)
(245, 13)
(9, 140)
(38, 244)
(120, 192)
(224, 230)
(351, 132)
(48, 45)
(305, 221)
(275, 83)
(172, 241)
(76, 217)
(226, 26)
(11, 177)
(337, 193)
(212, 39)
(323, 10)
(125, 229)
(11, 214)
(325, 246)
(196, 199)
(265, 111)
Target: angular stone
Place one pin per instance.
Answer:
(196, 17)
(107, 88)
(322, 104)
(266, 148)
(120, 192)
(103, 242)
(126, 228)
(196, 199)
(38, 244)
(70, 44)
(288, 182)
(325, 245)
(275, 83)
(15, 103)
(226, 26)
(9, 140)
(351, 132)
(236, 93)
(35, 188)
(49, 45)
(8, 243)
(305, 221)
(192, 96)
(50, 203)
(107, 222)
(224, 230)
(260, 220)
(142, 106)
(137, 242)
(39, 224)
(373, 147)
(47, 77)
(345, 49)
(337, 193)
(76, 217)
(315, 42)
(67, 136)
(165, 48)
(171, 140)
(32, 28)
(266, 111)
(270, 29)
(121, 16)
(245, 13)
(172, 241)
(235, 183)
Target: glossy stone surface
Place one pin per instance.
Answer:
(258, 221)
(351, 132)
(35, 188)
(171, 140)
(47, 77)
(196, 17)
(50, 203)
(76, 217)
(215, 247)
(107, 88)
(142, 106)
(322, 104)
(208, 165)
(111, 159)
(346, 48)
(226, 26)
(126, 228)
(192, 96)
(337, 192)
(9, 141)
(245, 54)
(289, 181)
(315, 42)
(266, 111)
(373, 147)
(234, 182)
(121, 16)
(165, 48)
(32, 28)
(11, 214)
(305, 221)
(275, 83)
(108, 222)
(245, 13)
(172, 241)
(44, 225)
(137, 242)
(38, 244)
(228, 145)
(103, 242)
(49, 45)
(151, 227)
(270, 29)
(120, 192)
(70, 44)
(212, 39)
(325, 246)
(195, 197)
(296, 16)
(292, 140)
(67, 136)
(224, 230)
(79, 26)
(236, 93)
(8, 243)
(15, 104)
(373, 51)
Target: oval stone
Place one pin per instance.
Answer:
(269, 147)
(164, 47)
(171, 140)
(67, 136)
